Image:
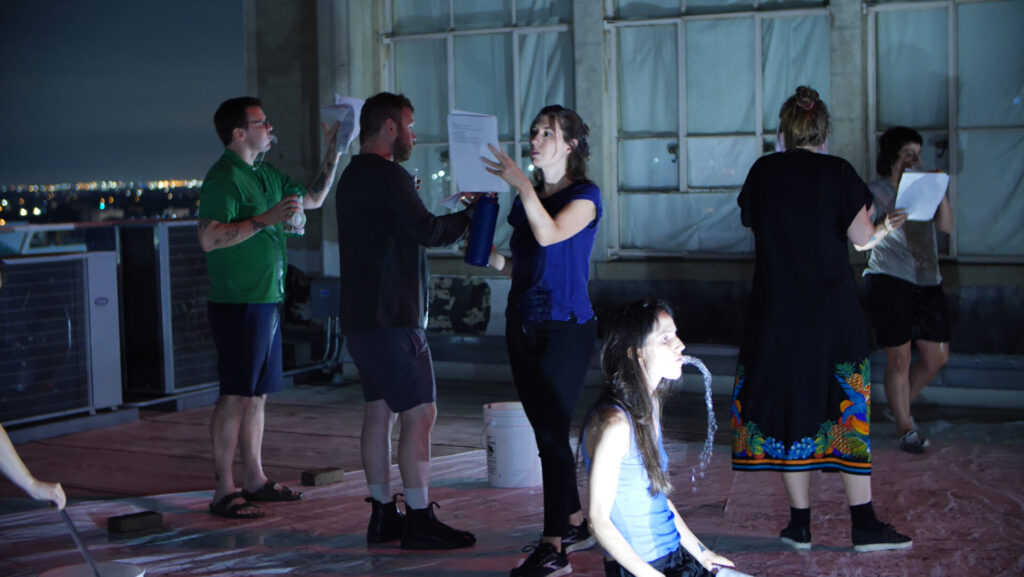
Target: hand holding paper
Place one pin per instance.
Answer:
(345, 112)
(920, 193)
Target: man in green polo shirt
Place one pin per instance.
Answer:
(243, 206)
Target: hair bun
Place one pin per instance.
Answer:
(806, 97)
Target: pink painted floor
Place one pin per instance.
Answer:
(963, 501)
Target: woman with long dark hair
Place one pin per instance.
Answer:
(550, 324)
(630, 513)
(802, 398)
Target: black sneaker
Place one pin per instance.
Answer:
(578, 539)
(422, 530)
(544, 561)
(883, 538)
(386, 521)
(796, 537)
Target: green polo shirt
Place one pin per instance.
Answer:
(254, 270)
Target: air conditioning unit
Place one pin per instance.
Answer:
(59, 337)
(168, 347)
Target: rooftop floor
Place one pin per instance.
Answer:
(962, 501)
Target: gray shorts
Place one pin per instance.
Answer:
(394, 365)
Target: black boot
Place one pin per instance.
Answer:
(386, 521)
(423, 531)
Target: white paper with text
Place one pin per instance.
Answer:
(469, 134)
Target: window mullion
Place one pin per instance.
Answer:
(450, 58)
(953, 128)
(681, 91)
(615, 242)
(872, 87)
(758, 85)
(517, 105)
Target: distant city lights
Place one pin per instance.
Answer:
(104, 185)
(99, 200)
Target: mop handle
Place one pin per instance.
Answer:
(78, 541)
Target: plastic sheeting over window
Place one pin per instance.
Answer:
(990, 53)
(648, 80)
(418, 79)
(991, 207)
(545, 74)
(990, 49)
(785, 41)
(697, 222)
(913, 69)
(720, 138)
(426, 16)
(915, 78)
(720, 76)
(483, 78)
(719, 162)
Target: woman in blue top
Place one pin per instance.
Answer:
(630, 514)
(551, 329)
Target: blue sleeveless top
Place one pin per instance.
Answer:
(549, 283)
(646, 522)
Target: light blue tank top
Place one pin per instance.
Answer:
(646, 522)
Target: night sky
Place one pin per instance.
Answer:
(115, 89)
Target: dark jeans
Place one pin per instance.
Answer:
(678, 563)
(549, 361)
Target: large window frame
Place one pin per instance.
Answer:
(953, 129)
(612, 26)
(517, 33)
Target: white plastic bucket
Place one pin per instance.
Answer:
(512, 459)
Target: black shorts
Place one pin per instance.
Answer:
(394, 365)
(248, 341)
(902, 311)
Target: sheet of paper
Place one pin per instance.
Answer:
(345, 111)
(920, 193)
(469, 134)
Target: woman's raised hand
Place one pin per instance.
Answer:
(507, 169)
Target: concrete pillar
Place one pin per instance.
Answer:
(282, 70)
(849, 84)
(351, 63)
(591, 86)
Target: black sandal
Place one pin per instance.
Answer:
(244, 510)
(268, 494)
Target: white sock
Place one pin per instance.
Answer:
(416, 497)
(380, 493)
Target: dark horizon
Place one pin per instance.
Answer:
(118, 90)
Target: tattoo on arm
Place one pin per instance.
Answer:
(319, 184)
(205, 223)
(231, 231)
(257, 225)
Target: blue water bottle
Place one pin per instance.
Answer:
(481, 231)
